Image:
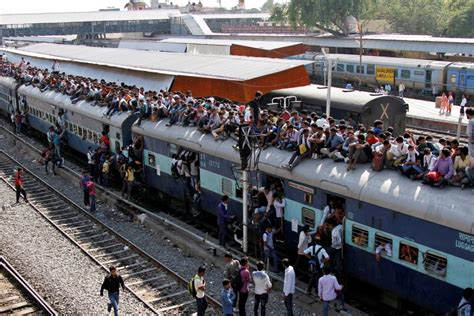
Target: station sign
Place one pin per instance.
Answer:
(385, 74)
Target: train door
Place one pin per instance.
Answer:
(428, 79)
(461, 84)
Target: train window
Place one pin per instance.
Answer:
(308, 216)
(308, 198)
(173, 148)
(117, 135)
(66, 125)
(340, 67)
(419, 73)
(405, 74)
(383, 244)
(360, 236)
(226, 186)
(95, 138)
(370, 69)
(80, 131)
(453, 79)
(350, 68)
(89, 135)
(408, 253)
(435, 264)
(71, 127)
(151, 160)
(360, 69)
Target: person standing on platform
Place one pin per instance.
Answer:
(19, 185)
(112, 284)
(462, 105)
(244, 289)
(230, 271)
(262, 287)
(288, 286)
(222, 218)
(401, 89)
(470, 131)
(200, 286)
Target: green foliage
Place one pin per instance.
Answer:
(279, 13)
(268, 6)
(461, 22)
(329, 15)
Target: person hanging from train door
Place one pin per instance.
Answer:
(19, 185)
(222, 219)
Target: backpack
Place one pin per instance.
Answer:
(237, 281)
(191, 287)
(315, 265)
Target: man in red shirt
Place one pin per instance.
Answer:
(19, 185)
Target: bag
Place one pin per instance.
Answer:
(302, 148)
(315, 265)
(191, 287)
(237, 281)
(377, 162)
(433, 176)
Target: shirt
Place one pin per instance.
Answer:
(231, 268)
(303, 242)
(462, 164)
(245, 274)
(198, 282)
(112, 284)
(336, 237)
(327, 287)
(279, 206)
(444, 166)
(222, 213)
(465, 310)
(289, 281)
(268, 240)
(227, 299)
(91, 187)
(387, 248)
(261, 281)
(18, 180)
(322, 254)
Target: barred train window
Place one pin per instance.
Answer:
(383, 244)
(435, 264)
(226, 186)
(360, 236)
(408, 253)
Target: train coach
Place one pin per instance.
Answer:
(84, 123)
(8, 97)
(418, 75)
(353, 106)
(381, 207)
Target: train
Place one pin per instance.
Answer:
(437, 229)
(418, 75)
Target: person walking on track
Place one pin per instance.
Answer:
(85, 190)
(112, 284)
(200, 286)
(19, 185)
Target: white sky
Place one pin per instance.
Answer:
(40, 6)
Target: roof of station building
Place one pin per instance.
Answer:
(234, 68)
(93, 16)
(267, 45)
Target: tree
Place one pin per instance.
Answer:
(417, 16)
(279, 13)
(268, 6)
(329, 15)
(461, 21)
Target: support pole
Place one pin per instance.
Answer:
(328, 99)
(245, 211)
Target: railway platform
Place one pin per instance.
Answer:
(425, 115)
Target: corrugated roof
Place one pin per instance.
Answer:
(234, 68)
(71, 17)
(270, 45)
(263, 16)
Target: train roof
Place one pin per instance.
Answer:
(385, 189)
(351, 100)
(8, 82)
(381, 60)
(462, 66)
(81, 107)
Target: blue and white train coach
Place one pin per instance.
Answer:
(435, 226)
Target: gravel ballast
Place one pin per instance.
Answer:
(57, 269)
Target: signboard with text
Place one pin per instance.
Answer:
(385, 74)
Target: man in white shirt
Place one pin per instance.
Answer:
(470, 131)
(288, 286)
(383, 247)
(327, 287)
(200, 286)
(303, 243)
(335, 252)
(464, 307)
(262, 287)
(318, 257)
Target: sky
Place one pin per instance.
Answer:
(40, 6)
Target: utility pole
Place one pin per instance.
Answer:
(328, 97)
(360, 53)
(245, 176)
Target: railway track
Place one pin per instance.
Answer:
(162, 290)
(17, 297)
